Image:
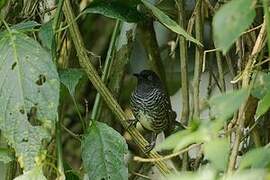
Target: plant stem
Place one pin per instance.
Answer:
(266, 16)
(55, 26)
(149, 41)
(184, 74)
(60, 166)
(79, 113)
(245, 84)
(106, 71)
(184, 64)
(103, 90)
(220, 72)
(198, 59)
(11, 168)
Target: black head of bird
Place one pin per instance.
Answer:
(147, 80)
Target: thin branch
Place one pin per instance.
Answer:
(198, 59)
(245, 84)
(140, 159)
(103, 90)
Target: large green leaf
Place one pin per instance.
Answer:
(116, 10)
(263, 105)
(5, 155)
(33, 174)
(70, 78)
(29, 93)
(171, 141)
(256, 158)
(261, 85)
(217, 151)
(230, 21)
(223, 106)
(252, 174)
(103, 151)
(205, 173)
(25, 26)
(168, 22)
(46, 35)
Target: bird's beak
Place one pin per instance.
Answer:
(136, 74)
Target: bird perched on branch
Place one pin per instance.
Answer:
(151, 105)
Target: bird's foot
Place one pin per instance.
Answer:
(132, 122)
(149, 147)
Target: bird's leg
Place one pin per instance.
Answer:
(132, 122)
(152, 144)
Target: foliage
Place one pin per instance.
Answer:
(41, 47)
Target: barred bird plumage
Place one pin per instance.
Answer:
(151, 105)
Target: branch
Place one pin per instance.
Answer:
(103, 90)
(245, 83)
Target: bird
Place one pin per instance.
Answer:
(150, 105)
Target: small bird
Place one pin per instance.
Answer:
(150, 105)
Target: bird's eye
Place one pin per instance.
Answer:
(150, 78)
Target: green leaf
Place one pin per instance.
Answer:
(25, 26)
(29, 87)
(70, 78)
(171, 141)
(247, 175)
(5, 155)
(198, 136)
(223, 106)
(3, 3)
(169, 23)
(263, 105)
(217, 151)
(116, 10)
(256, 158)
(70, 173)
(203, 174)
(33, 174)
(46, 35)
(261, 85)
(230, 21)
(103, 151)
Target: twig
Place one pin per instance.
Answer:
(140, 159)
(204, 56)
(141, 175)
(220, 72)
(198, 59)
(184, 64)
(245, 83)
(103, 90)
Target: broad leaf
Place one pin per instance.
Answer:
(261, 85)
(116, 10)
(70, 78)
(29, 93)
(217, 151)
(171, 141)
(202, 174)
(33, 174)
(46, 35)
(223, 106)
(168, 22)
(230, 21)
(103, 151)
(247, 175)
(256, 158)
(263, 105)
(25, 26)
(198, 136)
(5, 155)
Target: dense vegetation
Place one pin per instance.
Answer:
(66, 78)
